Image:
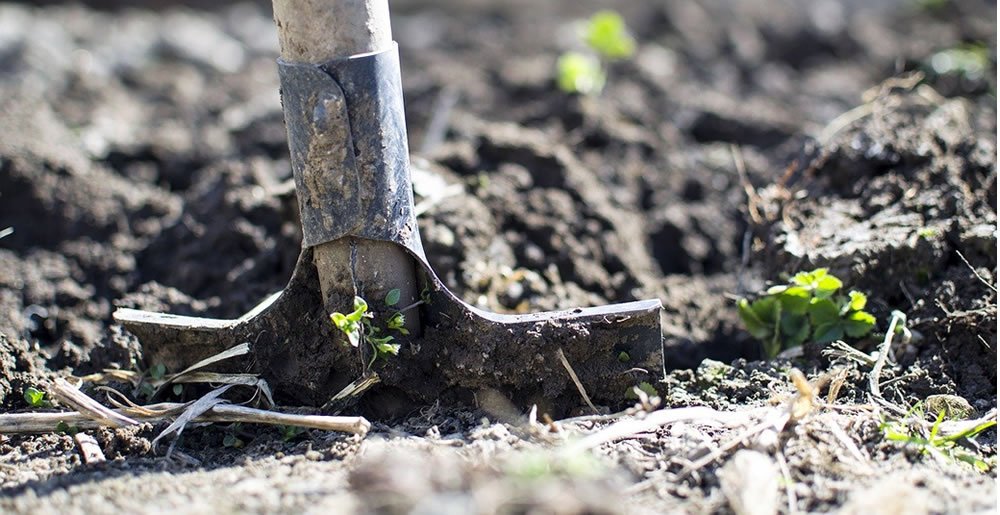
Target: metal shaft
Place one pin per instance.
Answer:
(315, 32)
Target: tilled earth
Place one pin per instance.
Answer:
(143, 163)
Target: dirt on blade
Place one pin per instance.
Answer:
(144, 163)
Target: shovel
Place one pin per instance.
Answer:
(342, 100)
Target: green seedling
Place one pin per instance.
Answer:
(157, 371)
(289, 433)
(644, 387)
(970, 61)
(533, 466)
(35, 397)
(351, 323)
(950, 446)
(231, 440)
(66, 429)
(392, 298)
(808, 308)
(580, 73)
(358, 328)
(397, 322)
(927, 233)
(607, 39)
(931, 5)
(607, 34)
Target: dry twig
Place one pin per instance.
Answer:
(69, 395)
(576, 380)
(34, 423)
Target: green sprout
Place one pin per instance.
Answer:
(950, 446)
(607, 34)
(358, 328)
(289, 433)
(397, 322)
(645, 387)
(66, 429)
(927, 233)
(607, 39)
(806, 308)
(157, 371)
(580, 73)
(232, 440)
(35, 397)
(350, 324)
(930, 5)
(392, 298)
(969, 61)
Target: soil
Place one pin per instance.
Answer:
(144, 163)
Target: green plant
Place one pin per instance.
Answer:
(232, 440)
(358, 327)
(580, 73)
(645, 387)
(808, 307)
(351, 324)
(607, 39)
(289, 433)
(970, 61)
(66, 429)
(950, 446)
(607, 34)
(35, 397)
(930, 5)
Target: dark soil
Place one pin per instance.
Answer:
(143, 163)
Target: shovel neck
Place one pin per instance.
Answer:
(318, 31)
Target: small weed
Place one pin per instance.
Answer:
(534, 466)
(231, 440)
(950, 446)
(970, 61)
(358, 327)
(397, 322)
(927, 233)
(644, 387)
(35, 398)
(806, 308)
(931, 5)
(607, 39)
(66, 429)
(155, 373)
(289, 433)
(351, 324)
(392, 298)
(607, 34)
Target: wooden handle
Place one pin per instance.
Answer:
(317, 31)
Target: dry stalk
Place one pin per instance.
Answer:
(34, 423)
(69, 395)
(883, 355)
(576, 380)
